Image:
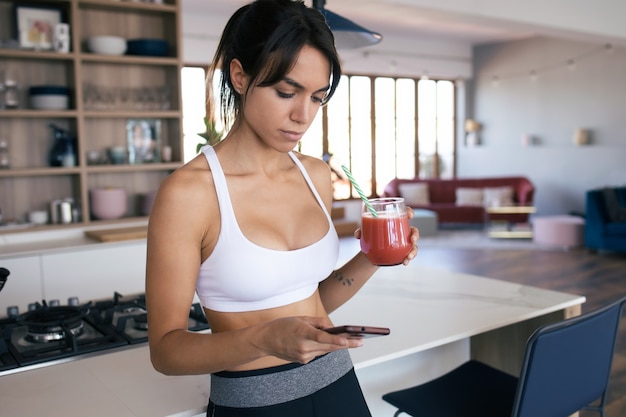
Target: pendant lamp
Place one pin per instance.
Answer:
(348, 35)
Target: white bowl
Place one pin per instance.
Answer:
(107, 45)
(38, 217)
(108, 202)
(49, 102)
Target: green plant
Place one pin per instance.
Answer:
(211, 136)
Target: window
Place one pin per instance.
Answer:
(379, 127)
(371, 128)
(193, 81)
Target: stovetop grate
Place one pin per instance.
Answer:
(106, 324)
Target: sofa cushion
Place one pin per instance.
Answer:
(616, 229)
(466, 196)
(415, 194)
(497, 196)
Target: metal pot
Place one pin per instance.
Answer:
(62, 211)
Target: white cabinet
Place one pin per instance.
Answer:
(24, 285)
(95, 272)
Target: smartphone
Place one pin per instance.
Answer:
(358, 332)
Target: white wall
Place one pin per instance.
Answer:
(592, 95)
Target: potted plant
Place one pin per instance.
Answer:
(211, 136)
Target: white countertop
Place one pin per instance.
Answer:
(37, 241)
(427, 307)
(424, 308)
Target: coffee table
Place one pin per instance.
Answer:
(508, 230)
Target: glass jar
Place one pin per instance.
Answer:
(11, 96)
(5, 160)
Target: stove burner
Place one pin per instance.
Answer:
(141, 321)
(49, 332)
(46, 323)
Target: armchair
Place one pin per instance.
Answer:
(605, 219)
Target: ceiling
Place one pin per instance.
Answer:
(388, 16)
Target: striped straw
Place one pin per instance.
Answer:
(358, 190)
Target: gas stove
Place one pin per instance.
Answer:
(50, 333)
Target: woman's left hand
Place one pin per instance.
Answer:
(415, 235)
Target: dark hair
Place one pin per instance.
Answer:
(266, 36)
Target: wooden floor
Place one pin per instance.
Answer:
(601, 278)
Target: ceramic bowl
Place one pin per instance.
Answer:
(108, 202)
(117, 155)
(148, 47)
(94, 157)
(49, 97)
(38, 217)
(107, 45)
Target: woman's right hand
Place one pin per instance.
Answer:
(302, 339)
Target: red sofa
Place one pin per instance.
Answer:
(443, 193)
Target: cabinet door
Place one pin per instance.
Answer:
(23, 285)
(95, 273)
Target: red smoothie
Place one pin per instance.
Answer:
(385, 240)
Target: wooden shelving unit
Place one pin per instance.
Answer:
(30, 183)
(507, 230)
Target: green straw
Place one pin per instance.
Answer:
(358, 190)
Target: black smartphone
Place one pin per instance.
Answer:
(359, 332)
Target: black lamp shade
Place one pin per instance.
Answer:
(349, 35)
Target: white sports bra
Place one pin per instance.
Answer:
(242, 276)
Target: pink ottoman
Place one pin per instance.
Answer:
(564, 231)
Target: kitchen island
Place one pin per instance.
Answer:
(437, 318)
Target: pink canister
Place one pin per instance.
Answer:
(108, 202)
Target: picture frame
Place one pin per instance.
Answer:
(35, 25)
(144, 140)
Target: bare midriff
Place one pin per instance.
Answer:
(226, 321)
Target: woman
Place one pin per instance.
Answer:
(246, 225)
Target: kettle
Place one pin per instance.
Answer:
(4, 273)
(63, 152)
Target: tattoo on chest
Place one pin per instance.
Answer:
(343, 280)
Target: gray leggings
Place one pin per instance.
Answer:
(325, 387)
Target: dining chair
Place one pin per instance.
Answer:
(566, 368)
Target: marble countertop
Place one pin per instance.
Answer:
(424, 308)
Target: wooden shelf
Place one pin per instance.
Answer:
(511, 210)
(31, 184)
(127, 59)
(37, 172)
(499, 229)
(510, 234)
(38, 114)
(32, 54)
(129, 6)
(132, 114)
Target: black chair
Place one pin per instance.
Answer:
(566, 368)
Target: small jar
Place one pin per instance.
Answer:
(11, 96)
(5, 160)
